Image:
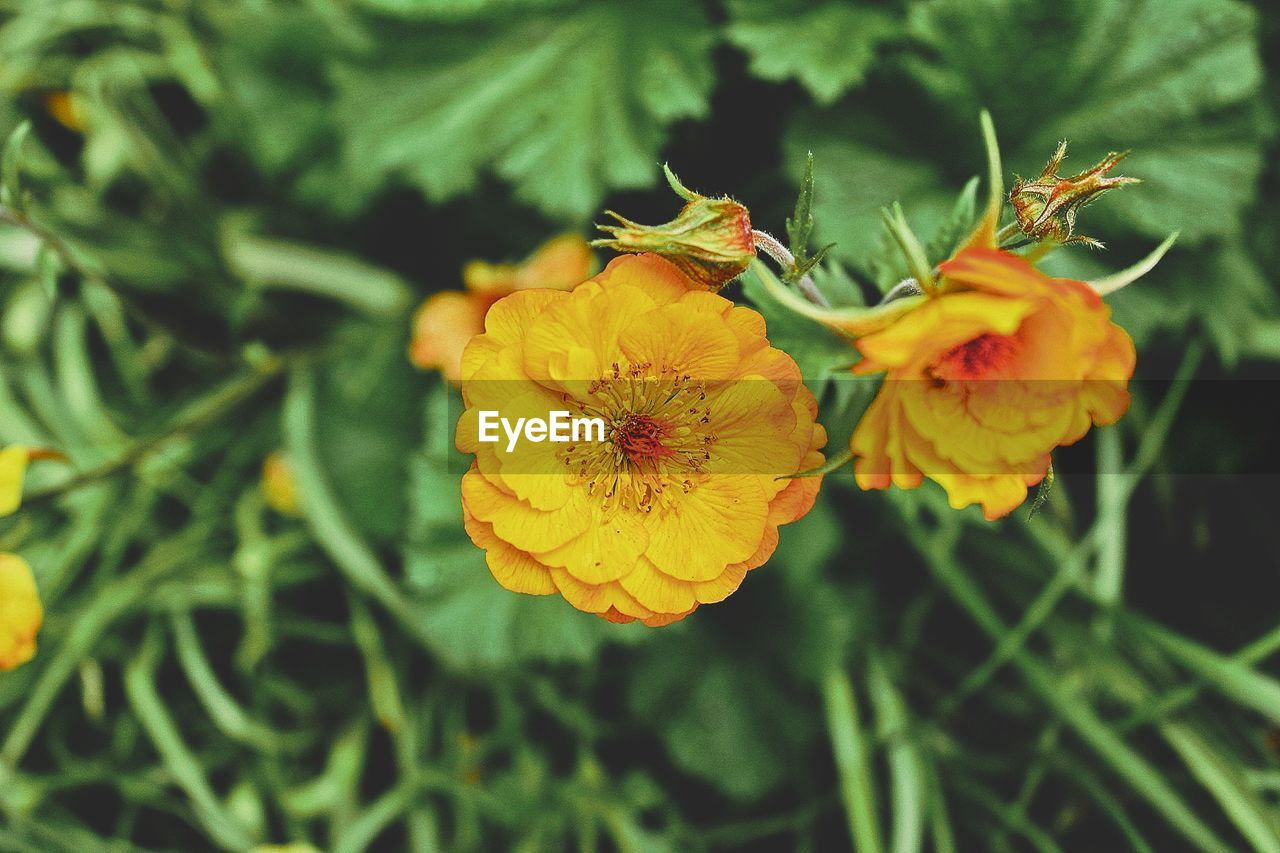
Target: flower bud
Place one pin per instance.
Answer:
(1046, 207)
(710, 241)
(279, 486)
(13, 468)
(20, 612)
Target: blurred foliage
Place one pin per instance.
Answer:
(216, 218)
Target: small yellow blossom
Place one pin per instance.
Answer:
(20, 612)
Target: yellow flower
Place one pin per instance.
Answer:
(702, 420)
(985, 378)
(279, 486)
(447, 320)
(13, 468)
(20, 612)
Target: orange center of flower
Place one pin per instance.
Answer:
(640, 437)
(976, 359)
(658, 435)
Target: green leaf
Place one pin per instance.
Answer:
(703, 700)
(454, 9)
(1224, 290)
(365, 432)
(10, 162)
(887, 264)
(828, 47)
(860, 177)
(1174, 81)
(565, 106)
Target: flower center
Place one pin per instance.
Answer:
(975, 359)
(658, 436)
(640, 437)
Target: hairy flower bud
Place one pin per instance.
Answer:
(1046, 207)
(710, 241)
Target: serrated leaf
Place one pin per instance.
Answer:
(956, 226)
(565, 106)
(828, 47)
(1108, 76)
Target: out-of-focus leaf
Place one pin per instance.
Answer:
(10, 163)
(564, 105)
(723, 718)
(828, 46)
(447, 9)
(861, 177)
(1177, 292)
(731, 703)
(1171, 80)
(366, 432)
(1176, 82)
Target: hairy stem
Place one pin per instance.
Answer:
(772, 247)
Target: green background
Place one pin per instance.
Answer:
(223, 257)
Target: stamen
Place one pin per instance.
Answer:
(656, 436)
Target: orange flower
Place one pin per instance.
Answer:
(682, 492)
(987, 371)
(447, 320)
(998, 367)
(20, 612)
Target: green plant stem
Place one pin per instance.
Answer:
(182, 765)
(200, 414)
(329, 524)
(1113, 499)
(849, 745)
(1145, 779)
(773, 247)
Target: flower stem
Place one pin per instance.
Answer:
(1009, 231)
(773, 247)
(848, 743)
(203, 412)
